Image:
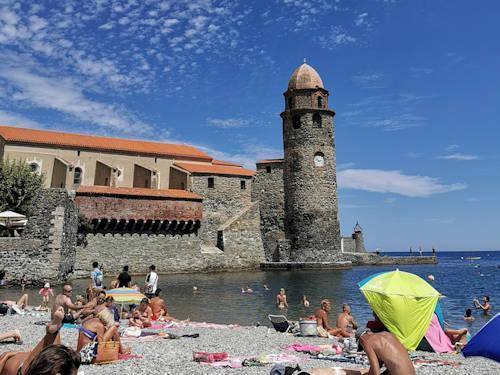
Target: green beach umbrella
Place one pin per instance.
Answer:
(404, 302)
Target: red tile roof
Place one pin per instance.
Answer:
(89, 142)
(270, 161)
(215, 169)
(222, 162)
(139, 192)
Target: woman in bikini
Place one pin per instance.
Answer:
(281, 299)
(146, 312)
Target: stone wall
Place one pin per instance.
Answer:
(367, 259)
(138, 208)
(310, 186)
(268, 191)
(46, 249)
(220, 203)
(348, 245)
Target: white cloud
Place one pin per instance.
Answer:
(65, 96)
(8, 118)
(372, 80)
(336, 37)
(393, 181)
(228, 123)
(361, 20)
(345, 165)
(452, 147)
(458, 156)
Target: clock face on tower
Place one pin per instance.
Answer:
(319, 160)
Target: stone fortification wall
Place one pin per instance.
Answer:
(367, 259)
(221, 202)
(176, 254)
(310, 186)
(268, 190)
(46, 249)
(348, 245)
(138, 208)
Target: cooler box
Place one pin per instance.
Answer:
(308, 327)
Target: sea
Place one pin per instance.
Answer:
(219, 298)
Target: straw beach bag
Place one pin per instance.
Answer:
(107, 352)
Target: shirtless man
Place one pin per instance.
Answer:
(486, 307)
(322, 318)
(384, 348)
(159, 308)
(16, 363)
(64, 300)
(346, 322)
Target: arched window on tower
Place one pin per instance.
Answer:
(320, 102)
(319, 160)
(317, 120)
(296, 121)
(77, 177)
(290, 102)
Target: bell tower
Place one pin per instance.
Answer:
(310, 183)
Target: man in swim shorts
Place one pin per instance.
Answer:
(346, 322)
(322, 318)
(64, 300)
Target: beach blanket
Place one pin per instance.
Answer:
(159, 325)
(312, 349)
(436, 337)
(435, 363)
(237, 362)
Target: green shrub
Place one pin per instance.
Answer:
(19, 186)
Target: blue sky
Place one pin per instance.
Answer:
(414, 85)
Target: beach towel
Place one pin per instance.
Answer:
(436, 337)
(313, 349)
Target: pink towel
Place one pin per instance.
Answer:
(436, 337)
(304, 348)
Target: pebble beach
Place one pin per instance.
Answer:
(167, 356)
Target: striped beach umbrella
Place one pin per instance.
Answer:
(125, 295)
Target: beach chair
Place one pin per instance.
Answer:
(280, 323)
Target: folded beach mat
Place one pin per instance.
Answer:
(486, 342)
(404, 303)
(436, 337)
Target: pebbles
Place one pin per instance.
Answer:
(175, 356)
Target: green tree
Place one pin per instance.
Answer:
(19, 186)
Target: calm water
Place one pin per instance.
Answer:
(220, 299)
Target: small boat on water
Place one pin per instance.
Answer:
(471, 258)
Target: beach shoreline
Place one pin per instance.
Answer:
(164, 356)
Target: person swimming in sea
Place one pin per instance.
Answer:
(485, 306)
(304, 301)
(468, 315)
(281, 302)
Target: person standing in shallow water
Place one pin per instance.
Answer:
(281, 302)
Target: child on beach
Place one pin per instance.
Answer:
(46, 292)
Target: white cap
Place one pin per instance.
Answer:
(47, 285)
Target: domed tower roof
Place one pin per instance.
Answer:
(305, 77)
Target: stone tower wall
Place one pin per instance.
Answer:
(310, 191)
(360, 242)
(268, 190)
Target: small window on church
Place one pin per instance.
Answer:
(290, 103)
(317, 120)
(319, 160)
(296, 122)
(77, 177)
(268, 169)
(243, 185)
(211, 182)
(34, 167)
(320, 102)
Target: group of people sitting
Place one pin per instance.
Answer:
(345, 326)
(96, 319)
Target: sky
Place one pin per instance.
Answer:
(414, 85)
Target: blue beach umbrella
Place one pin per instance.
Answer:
(486, 342)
